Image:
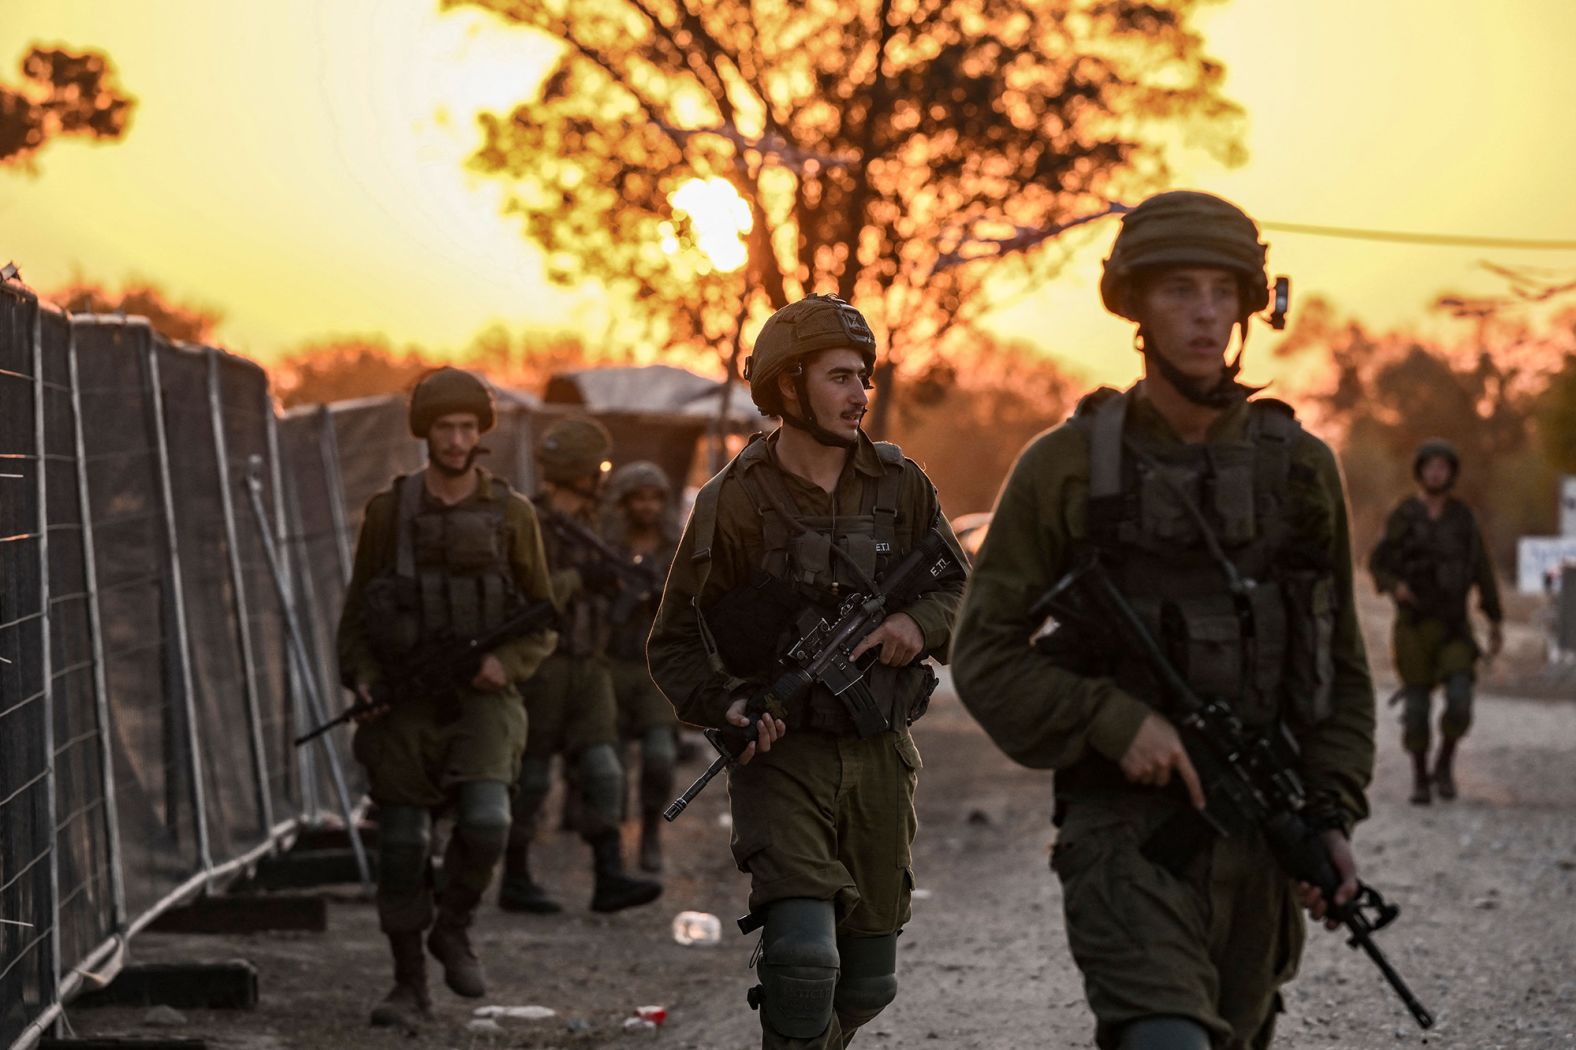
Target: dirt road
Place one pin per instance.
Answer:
(1487, 937)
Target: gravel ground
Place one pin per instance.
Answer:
(1487, 885)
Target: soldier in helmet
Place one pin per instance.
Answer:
(823, 818)
(1224, 525)
(449, 551)
(1430, 557)
(642, 527)
(571, 703)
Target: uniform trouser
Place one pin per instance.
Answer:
(645, 716)
(425, 754)
(824, 826)
(1213, 944)
(573, 713)
(1453, 723)
(1429, 651)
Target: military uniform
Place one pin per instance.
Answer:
(823, 822)
(1440, 560)
(574, 713)
(427, 570)
(644, 714)
(1211, 942)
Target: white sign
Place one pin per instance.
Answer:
(1568, 505)
(1536, 555)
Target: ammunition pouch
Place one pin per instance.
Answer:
(1308, 677)
(389, 611)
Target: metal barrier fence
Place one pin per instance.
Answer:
(146, 701)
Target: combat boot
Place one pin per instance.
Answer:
(616, 891)
(450, 943)
(1422, 783)
(1445, 771)
(518, 891)
(651, 841)
(408, 1005)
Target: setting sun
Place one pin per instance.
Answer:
(719, 217)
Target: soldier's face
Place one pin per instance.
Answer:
(835, 381)
(1435, 474)
(644, 507)
(1187, 316)
(453, 438)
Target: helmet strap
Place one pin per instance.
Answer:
(808, 423)
(1222, 393)
(455, 472)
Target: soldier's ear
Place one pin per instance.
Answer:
(787, 393)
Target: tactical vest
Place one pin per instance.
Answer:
(583, 626)
(451, 577)
(810, 561)
(1168, 518)
(627, 639)
(1436, 558)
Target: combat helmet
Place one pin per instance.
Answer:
(632, 477)
(813, 324)
(1189, 228)
(447, 390)
(1436, 448)
(574, 449)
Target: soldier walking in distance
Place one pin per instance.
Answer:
(571, 704)
(448, 552)
(823, 818)
(641, 527)
(1223, 524)
(1430, 558)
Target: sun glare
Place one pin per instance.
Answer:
(719, 218)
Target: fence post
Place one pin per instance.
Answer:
(254, 718)
(117, 879)
(328, 448)
(45, 656)
(305, 760)
(182, 638)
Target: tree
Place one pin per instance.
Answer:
(874, 144)
(63, 93)
(141, 297)
(346, 367)
(1557, 417)
(1384, 394)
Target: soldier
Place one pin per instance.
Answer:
(823, 819)
(573, 712)
(642, 527)
(1428, 561)
(449, 551)
(1181, 484)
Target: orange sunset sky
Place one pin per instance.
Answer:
(300, 164)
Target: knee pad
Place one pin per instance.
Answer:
(659, 747)
(482, 815)
(1458, 703)
(404, 839)
(602, 784)
(798, 968)
(536, 780)
(1164, 1033)
(868, 982)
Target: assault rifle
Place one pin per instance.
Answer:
(1250, 779)
(819, 655)
(439, 664)
(638, 582)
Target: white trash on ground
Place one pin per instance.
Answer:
(697, 928)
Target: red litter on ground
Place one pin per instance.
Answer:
(654, 1014)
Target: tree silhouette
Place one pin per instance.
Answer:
(63, 93)
(141, 297)
(874, 142)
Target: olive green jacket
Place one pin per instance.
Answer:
(1458, 518)
(1044, 716)
(375, 554)
(678, 654)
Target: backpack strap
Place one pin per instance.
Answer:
(1273, 429)
(1107, 506)
(407, 503)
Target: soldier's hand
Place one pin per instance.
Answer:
(364, 696)
(1403, 594)
(898, 636)
(1157, 752)
(768, 730)
(1496, 639)
(491, 677)
(1345, 866)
